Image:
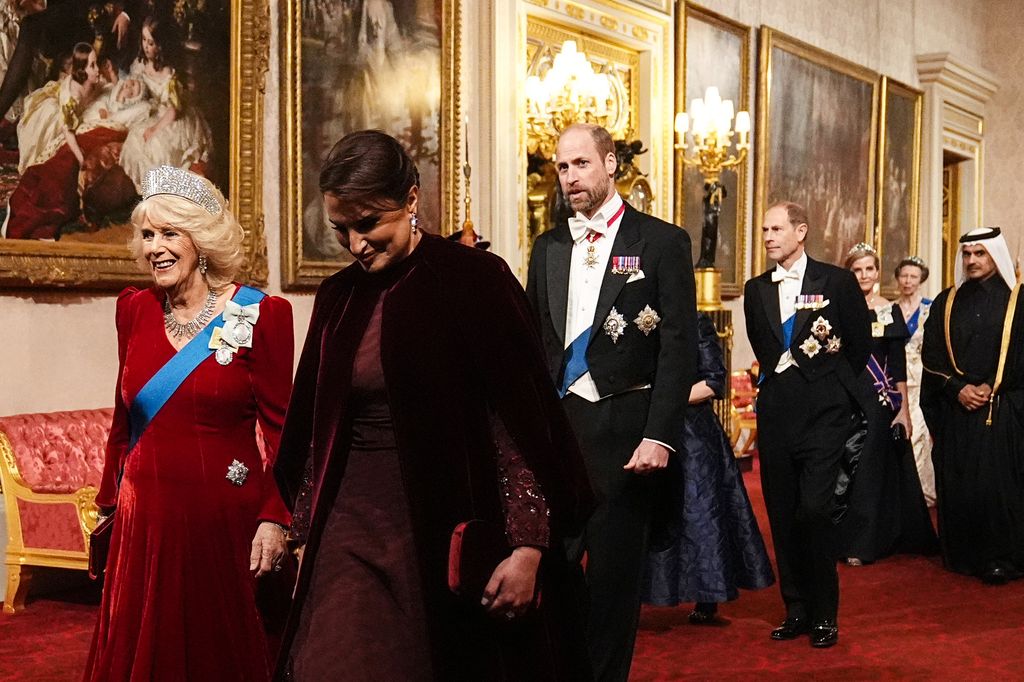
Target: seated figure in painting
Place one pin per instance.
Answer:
(175, 134)
(62, 125)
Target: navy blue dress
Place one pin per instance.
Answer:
(719, 548)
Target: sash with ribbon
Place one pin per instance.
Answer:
(887, 392)
(162, 385)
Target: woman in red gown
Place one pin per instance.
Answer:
(421, 401)
(196, 512)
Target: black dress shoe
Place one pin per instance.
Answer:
(705, 613)
(995, 575)
(824, 633)
(791, 628)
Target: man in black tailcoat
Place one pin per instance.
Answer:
(810, 329)
(614, 292)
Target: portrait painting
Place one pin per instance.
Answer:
(714, 51)
(95, 94)
(816, 143)
(898, 178)
(357, 64)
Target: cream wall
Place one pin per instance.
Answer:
(60, 348)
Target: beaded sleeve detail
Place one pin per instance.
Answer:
(526, 509)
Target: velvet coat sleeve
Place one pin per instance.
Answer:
(677, 353)
(272, 356)
(117, 440)
(507, 351)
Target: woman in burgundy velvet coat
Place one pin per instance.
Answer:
(422, 401)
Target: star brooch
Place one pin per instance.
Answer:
(821, 328)
(237, 472)
(614, 325)
(647, 320)
(833, 345)
(810, 347)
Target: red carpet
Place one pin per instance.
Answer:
(903, 618)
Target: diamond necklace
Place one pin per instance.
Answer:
(193, 326)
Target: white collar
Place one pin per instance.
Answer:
(799, 267)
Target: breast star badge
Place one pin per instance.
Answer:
(821, 328)
(647, 321)
(833, 345)
(614, 325)
(810, 346)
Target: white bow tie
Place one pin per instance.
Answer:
(779, 274)
(580, 226)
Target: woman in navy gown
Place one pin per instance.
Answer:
(887, 512)
(719, 548)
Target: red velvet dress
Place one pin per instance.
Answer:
(179, 599)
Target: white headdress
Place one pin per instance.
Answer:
(994, 242)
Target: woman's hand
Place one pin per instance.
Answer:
(148, 133)
(513, 584)
(903, 417)
(268, 548)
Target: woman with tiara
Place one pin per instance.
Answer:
(911, 273)
(887, 512)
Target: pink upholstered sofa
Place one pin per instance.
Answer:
(50, 469)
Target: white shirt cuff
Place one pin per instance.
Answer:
(671, 449)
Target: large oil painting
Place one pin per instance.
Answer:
(93, 95)
(354, 64)
(714, 51)
(899, 170)
(816, 143)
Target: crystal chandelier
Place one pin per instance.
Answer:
(570, 92)
(710, 125)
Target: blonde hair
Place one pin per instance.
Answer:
(218, 237)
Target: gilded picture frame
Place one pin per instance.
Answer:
(897, 206)
(335, 78)
(816, 136)
(714, 50)
(32, 264)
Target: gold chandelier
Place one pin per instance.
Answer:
(710, 123)
(569, 92)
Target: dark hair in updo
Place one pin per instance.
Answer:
(917, 263)
(369, 169)
(80, 60)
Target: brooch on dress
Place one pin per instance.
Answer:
(237, 472)
(236, 332)
(614, 325)
(833, 345)
(647, 321)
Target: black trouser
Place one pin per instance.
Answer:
(615, 538)
(802, 427)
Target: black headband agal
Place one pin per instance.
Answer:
(978, 235)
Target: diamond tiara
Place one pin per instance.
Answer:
(861, 246)
(180, 183)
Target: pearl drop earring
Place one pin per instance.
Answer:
(414, 222)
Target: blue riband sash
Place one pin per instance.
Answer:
(575, 362)
(787, 332)
(162, 385)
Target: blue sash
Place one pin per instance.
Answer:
(162, 385)
(575, 362)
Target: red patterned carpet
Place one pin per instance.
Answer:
(902, 618)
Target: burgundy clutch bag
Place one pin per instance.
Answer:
(99, 547)
(476, 549)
